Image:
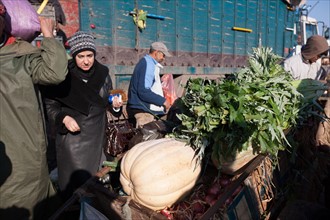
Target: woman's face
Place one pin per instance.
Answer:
(85, 60)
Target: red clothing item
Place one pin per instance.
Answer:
(10, 40)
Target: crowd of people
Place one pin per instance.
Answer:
(72, 94)
(42, 88)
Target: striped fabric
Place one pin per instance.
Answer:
(81, 41)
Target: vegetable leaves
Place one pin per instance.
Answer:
(251, 109)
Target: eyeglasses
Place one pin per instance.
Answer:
(162, 53)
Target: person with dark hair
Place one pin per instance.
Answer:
(145, 94)
(25, 192)
(307, 64)
(77, 108)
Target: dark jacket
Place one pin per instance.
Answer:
(140, 96)
(24, 173)
(79, 154)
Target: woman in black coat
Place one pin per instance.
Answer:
(78, 108)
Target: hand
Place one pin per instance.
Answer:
(167, 105)
(71, 124)
(47, 26)
(117, 102)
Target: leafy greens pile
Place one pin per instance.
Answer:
(253, 108)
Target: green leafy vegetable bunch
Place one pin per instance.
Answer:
(254, 108)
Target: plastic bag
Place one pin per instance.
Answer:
(150, 131)
(88, 212)
(168, 88)
(21, 19)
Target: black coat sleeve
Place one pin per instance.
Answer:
(55, 114)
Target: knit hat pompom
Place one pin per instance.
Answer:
(81, 41)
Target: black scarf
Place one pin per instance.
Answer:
(75, 93)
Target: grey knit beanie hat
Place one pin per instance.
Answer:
(81, 41)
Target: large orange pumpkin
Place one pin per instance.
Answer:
(158, 173)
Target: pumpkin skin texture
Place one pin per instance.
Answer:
(158, 173)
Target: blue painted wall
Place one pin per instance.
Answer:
(194, 26)
(198, 32)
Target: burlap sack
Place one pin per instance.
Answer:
(323, 132)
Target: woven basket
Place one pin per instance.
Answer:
(235, 165)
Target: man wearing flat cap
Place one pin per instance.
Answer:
(307, 65)
(145, 94)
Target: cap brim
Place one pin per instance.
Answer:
(167, 54)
